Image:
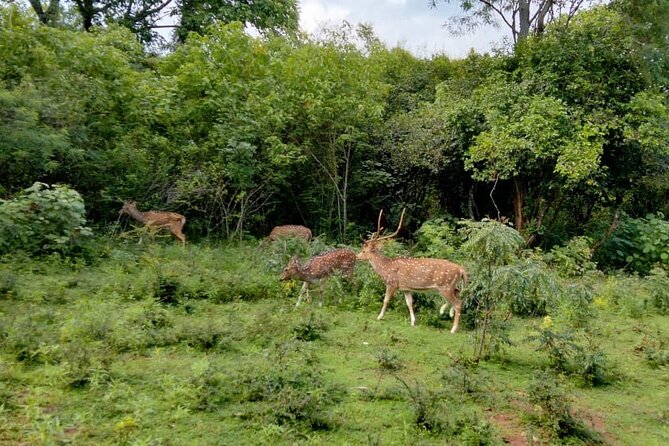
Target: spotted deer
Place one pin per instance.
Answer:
(288, 231)
(414, 274)
(318, 268)
(156, 219)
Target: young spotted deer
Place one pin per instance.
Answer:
(289, 231)
(156, 219)
(414, 274)
(318, 268)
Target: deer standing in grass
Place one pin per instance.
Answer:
(414, 274)
(288, 231)
(156, 219)
(318, 268)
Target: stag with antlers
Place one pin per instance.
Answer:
(156, 219)
(318, 268)
(410, 274)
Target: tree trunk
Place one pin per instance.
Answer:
(49, 16)
(523, 19)
(518, 205)
(541, 16)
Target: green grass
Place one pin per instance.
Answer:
(157, 345)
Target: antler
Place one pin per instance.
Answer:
(379, 228)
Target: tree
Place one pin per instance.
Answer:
(145, 17)
(267, 16)
(521, 17)
(48, 16)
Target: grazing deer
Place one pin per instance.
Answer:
(156, 219)
(288, 231)
(414, 274)
(318, 268)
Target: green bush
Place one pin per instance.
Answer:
(573, 259)
(437, 238)
(43, 219)
(8, 281)
(554, 412)
(638, 244)
(658, 286)
(31, 338)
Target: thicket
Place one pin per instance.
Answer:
(240, 133)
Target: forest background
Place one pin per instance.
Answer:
(564, 134)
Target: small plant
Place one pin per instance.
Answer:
(439, 416)
(84, 366)
(309, 330)
(166, 290)
(658, 284)
(492, 246)
(427, 411)
(553, 409)
(460, 377)
(577, 355)
(8, 280)
(389, 361)
(653, 346)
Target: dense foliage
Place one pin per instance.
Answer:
(240, 133)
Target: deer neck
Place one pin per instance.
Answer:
(304, 273)
(381, 264)
(136, 214)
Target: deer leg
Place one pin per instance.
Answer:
(320, 295)
(442, 310)
(386, 300)
(302, 291)
(409, 298)
(451, 294)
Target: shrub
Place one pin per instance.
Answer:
(437, 238)
(491, 246)
(30, 338)
(575, 354)
(8, 281)
(526, 287)
(554, 410)
(658, 285)
(435, 414)
(84, 365)
(43, 219)
(653, 346)
(638, 244)
(309, 330)
(573, 259)
(389, 361)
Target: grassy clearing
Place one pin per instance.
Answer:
(163, 346)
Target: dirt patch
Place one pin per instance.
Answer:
(595, 422)
(512, 430)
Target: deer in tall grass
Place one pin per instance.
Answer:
(410, 274)
(289, 231)
(156, 219)
(318, 268)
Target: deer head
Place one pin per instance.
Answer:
(370, 247)
(128, 206)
